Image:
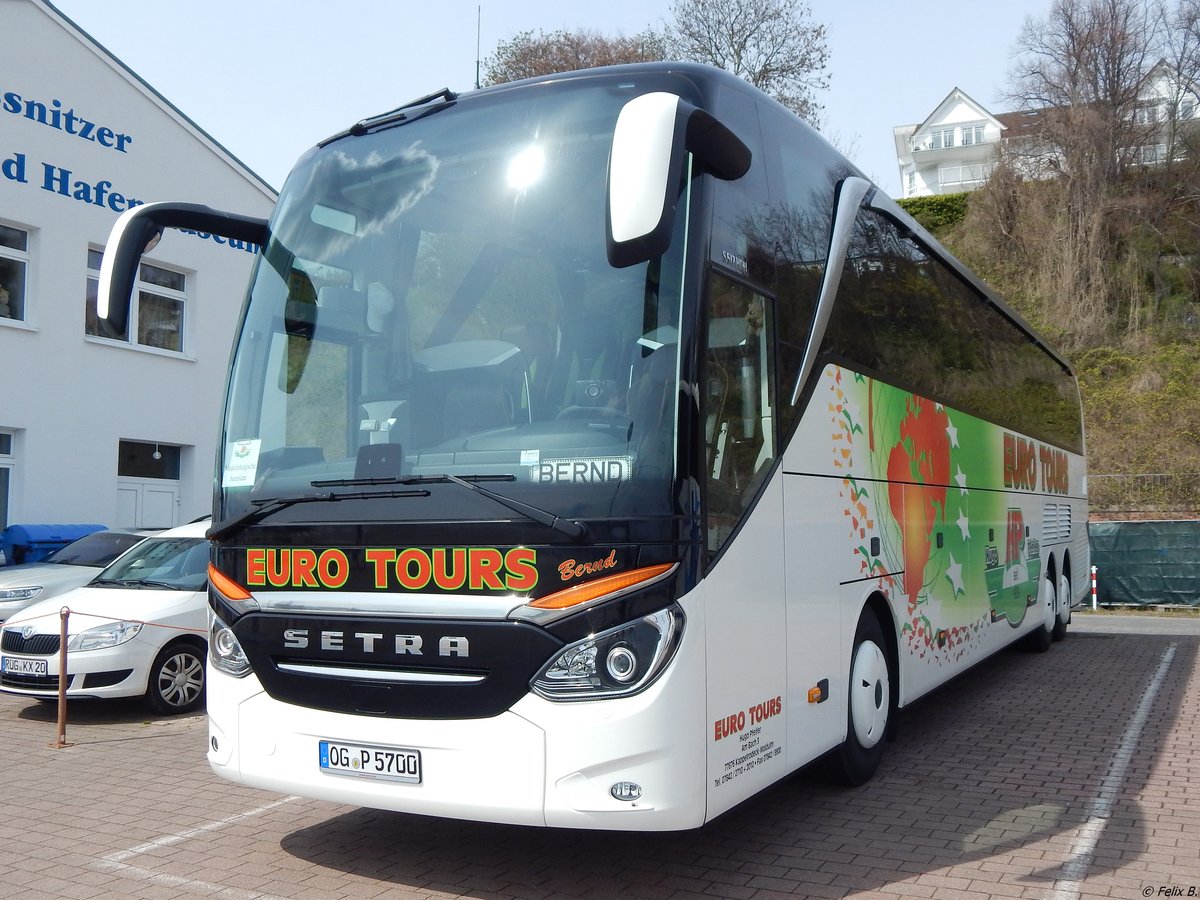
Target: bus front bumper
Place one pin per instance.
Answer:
(539, 763)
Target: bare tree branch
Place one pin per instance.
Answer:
(530, 54)
(773, 44)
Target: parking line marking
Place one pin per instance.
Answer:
(168, 840)
(115, 862)
(190, 884)
(1100, 810)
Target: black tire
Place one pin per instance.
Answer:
(1041, 637)
(869, 705)
(1063, 604)
(176, 682)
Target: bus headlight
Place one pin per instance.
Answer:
(615, 663)
(225, 652)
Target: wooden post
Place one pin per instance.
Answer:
(61, 741)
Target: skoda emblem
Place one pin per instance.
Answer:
(27, 632)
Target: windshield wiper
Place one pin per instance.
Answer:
(397, 116)
(406, 479)
(268, 506)
(572, 529)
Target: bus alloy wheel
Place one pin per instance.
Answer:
(1063, 604)
(1042, 636)
(869, 705)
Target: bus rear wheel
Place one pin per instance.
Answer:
(1063, 608)
(869, 705)
(1043, 634)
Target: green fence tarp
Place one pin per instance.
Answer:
(1146, 563)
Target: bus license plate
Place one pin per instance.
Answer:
(368, 761)
(16, 666)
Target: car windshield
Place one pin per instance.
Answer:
(180, 564)
(96, 549)
(435, 299)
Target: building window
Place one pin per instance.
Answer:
(7, 462)
(972, 134)
(136, 459)
(14, 262)
(157, 309)
(1187, 109)
(1147, 115)
(1152, 154)
(963, 177)
(942, 139)
(912, 181)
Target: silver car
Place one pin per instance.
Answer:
(66, 568)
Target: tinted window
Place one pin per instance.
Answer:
(776, 233)
(905, 315)
(739, 402)
(740, 206)
(804, 172)
(97, 549)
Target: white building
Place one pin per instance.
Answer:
(97, 427)
(953, 150)
(957, 146)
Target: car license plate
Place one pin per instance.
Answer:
(14, 665)
(368, 761)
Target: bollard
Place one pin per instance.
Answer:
(1093, 588)
(61, 742)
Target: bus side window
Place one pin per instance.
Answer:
(739, 412)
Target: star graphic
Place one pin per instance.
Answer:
(960, 478)
(954, 574)
(964, 526)
(953, 432)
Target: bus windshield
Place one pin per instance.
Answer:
(435, 300)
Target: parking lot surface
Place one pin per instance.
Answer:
(1074, 773)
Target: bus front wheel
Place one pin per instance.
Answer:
(869, 705)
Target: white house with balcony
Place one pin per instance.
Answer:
(953, 150)
(956, 148)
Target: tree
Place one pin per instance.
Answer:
(1090, 217)
(773, 44)
(1103, 83)
(529, 54)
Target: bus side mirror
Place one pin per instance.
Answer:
(653, 135)
(136, 232)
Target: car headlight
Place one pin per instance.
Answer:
(615, 663)
(110, 634)
(225, 652)
(21, 593)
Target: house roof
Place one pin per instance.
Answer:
(957, 95)
(1021, 122)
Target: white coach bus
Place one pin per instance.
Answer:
(602, 448)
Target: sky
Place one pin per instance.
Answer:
(269, 79)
